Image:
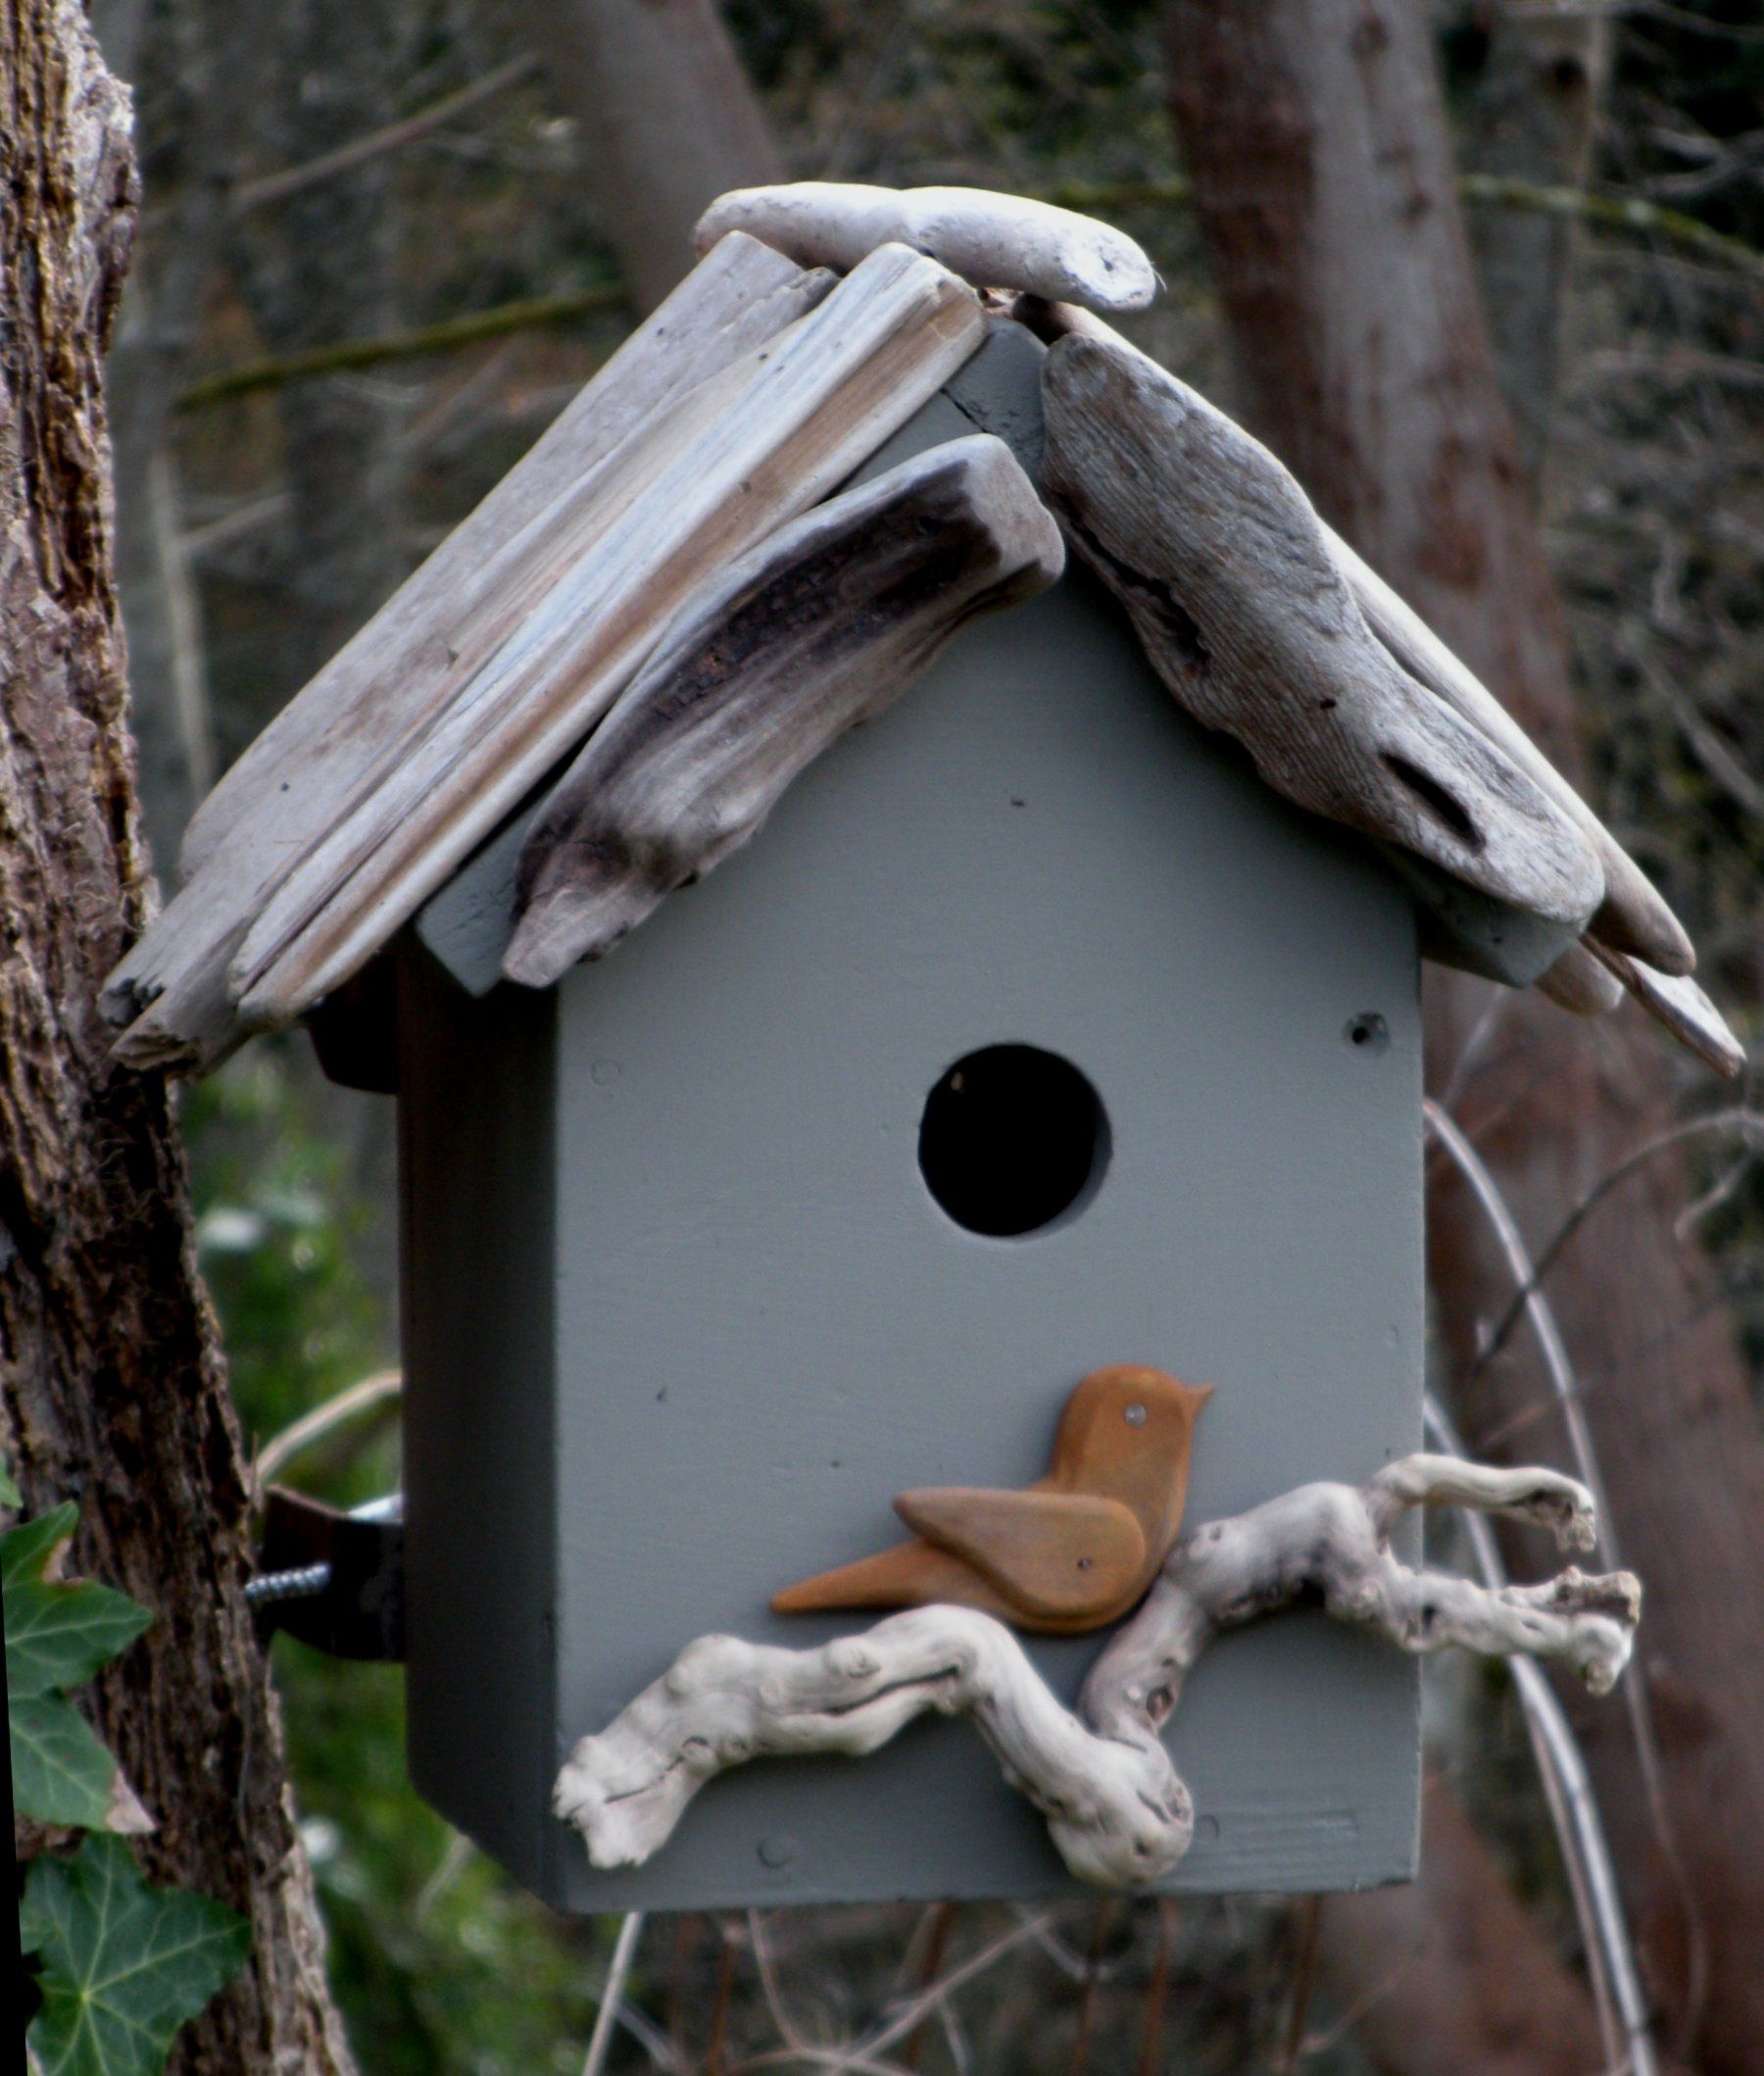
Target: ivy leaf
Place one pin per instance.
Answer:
(122, 1966)
(59, 1632)
(62, 1774)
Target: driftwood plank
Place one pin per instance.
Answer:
(817, 629)
(1581, 984)
(1631, 915)
(994, 241)
(330, 744)
(1221, 564)
(1676, 1002)
(742, 294)
(789, 427)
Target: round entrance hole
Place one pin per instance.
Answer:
(1010, 1138)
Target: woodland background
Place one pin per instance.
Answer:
(380, 244)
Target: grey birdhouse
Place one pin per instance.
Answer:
(1033, 1032)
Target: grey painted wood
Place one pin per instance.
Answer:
(476, 1210)
(760, 1326)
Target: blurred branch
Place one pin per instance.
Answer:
(313, 1426)
(536, 313)
(1607, 212)
(1740, 1119)
(275, 187)
(531, 314)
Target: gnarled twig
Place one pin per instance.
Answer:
(1116, 1809)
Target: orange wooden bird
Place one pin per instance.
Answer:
(1073, 1552)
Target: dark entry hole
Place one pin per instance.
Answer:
(1011, 1137)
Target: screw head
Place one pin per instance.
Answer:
(1135, 1416)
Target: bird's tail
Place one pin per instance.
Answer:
(901, 1577)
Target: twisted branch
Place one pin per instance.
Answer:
(1116, 1809)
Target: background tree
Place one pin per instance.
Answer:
(112, 1388)
(1319, 151)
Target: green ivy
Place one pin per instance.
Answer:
(58, 1634)
(119, 1965)
(122, 1966)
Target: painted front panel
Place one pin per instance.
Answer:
(765, 1326)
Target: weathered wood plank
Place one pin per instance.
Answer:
(742, 294)
(788, 428)
(1676, 1002)
(819, 628)
(1631, 915)
(330, 744)
(1221, 564)
(1580, 984)
(994, 241)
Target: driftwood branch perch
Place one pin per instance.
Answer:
(992, 240)
(1115, 1808)
(819, 628)
(1221, 564)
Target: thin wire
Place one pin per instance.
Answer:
(1541, 1314)
(1574, 1809)
(624, 1951)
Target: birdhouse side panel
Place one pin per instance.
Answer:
(475, 1169)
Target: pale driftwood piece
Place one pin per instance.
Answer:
(333, 740)
(992, 240)
(1116, 1809)
(744, 452)
(742, 294)
(817, 401)
(1631, 915)
(1677, 1003)
(1581, 984)
(1220, 563)
(819, 629)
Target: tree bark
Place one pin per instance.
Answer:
(111, 1381)
(1317, 142)
(1532, 115)
(1449, 1975)
(668, 114)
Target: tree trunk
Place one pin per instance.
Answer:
(1451, 1974)
(1317, 141)
(667, 116)
(1532, 115)
(111, 1383)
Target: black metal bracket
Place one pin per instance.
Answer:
(334, 1580)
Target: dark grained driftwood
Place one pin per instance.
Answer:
(812, 632)
(1632, 916)
(1221, 564)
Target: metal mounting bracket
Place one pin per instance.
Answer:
(334, 1580)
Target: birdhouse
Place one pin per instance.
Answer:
(1046, 1024)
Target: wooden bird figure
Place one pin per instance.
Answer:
(1074, 1551)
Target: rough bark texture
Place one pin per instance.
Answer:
(1318, 146)
(1455, 1976)
(1532, 115)
(669, 117)
(111, 1385)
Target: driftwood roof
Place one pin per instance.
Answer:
(672, 603)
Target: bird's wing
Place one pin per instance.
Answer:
(1056, 1554)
